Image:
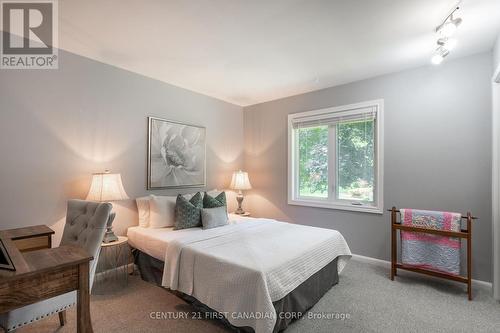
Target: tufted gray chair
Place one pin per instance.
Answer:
(85, 227)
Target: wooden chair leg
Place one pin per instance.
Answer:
(393, 244)
(469, 255)
(62, 318)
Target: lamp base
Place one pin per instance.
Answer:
(239, 198)
(110, 236)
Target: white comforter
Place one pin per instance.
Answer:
(241, 268)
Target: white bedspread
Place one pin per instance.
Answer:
(241, 268)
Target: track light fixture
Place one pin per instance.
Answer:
(447, 43)
(439, 55)
(449, 26)
(444, 33)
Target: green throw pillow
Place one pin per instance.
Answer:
(211, 202)
(188, 213)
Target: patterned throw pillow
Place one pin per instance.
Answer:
(188, 213)
(211, 202)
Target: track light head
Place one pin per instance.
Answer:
(439, 55)
(448, 27)
(447, 43)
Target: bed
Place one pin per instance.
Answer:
(260, 274)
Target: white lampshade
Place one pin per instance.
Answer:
(107, 187)
(240, 181)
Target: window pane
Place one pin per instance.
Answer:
(313, 161)
(355, 161)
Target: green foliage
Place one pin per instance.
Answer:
(313, 161)
(355, 160)
(355, 153)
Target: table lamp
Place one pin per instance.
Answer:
(107, 187)
(240, 182)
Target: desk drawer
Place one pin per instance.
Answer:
(37, 287)
(32, 243)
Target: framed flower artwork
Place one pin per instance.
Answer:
(176, 154)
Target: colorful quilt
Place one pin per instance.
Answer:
(438, 253)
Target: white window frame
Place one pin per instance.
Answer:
(293, 194)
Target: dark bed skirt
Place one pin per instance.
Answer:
(298, 301)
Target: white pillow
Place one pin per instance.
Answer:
(143, 209)
(162, 211)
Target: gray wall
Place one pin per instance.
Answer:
(496, 53)
(437, 152)
(59, 126)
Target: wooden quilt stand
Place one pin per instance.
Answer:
(462, 234)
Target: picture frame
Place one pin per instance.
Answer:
(5, 260)
(176, 154)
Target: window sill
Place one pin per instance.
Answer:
(335, 205)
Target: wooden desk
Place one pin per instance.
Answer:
(42, 274)
(30, 238)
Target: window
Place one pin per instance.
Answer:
(335, 157)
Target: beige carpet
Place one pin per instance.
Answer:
(365, 293)
(129, 311)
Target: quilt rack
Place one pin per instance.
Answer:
(465, 234)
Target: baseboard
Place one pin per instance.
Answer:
(387, 264)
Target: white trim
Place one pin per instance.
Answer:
(495, 120)
(370, 260)
(325, 114)
(318, 203)
(342, 108)
(387, 264)
(293, 198)
(333, 173)
(496, 76)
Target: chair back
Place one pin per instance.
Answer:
(85, 227)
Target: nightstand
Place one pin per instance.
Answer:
(112, 269)
(244, 214)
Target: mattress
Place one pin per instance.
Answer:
(298, 301)
(220, 266)
(154, 241)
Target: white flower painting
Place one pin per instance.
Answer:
(176, 155)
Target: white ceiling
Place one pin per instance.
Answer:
(251, 51)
